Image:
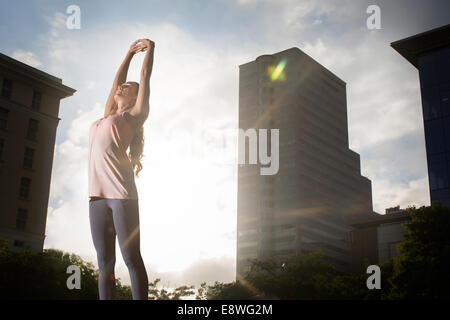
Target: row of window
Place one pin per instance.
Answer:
(337, 234)
(316, 124)
(289, 240)
(317, 145)
(278, 246)
(33, 124)
(331, 180)
(247, 244)
(438, 166)
(6, 91)
(249, 77)
(28, 155)
(262, 204)
(323, 89)
(251, 172)
(24, 189)
(333, 86)
(19, 243)
(320, 115)
(319, 100)
(437, 135)
(278, 230)
(264, 98)
(436, 101)
(277, 243)
(249, 255)
(266, 204)
(21, 220)
(434, 67)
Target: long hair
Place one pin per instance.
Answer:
(136, 147)
(136, 150)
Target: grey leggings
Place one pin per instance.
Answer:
(108, 217)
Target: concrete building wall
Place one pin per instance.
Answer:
(24, 214)
(389, 236)
(374, 239)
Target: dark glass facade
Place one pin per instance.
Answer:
(434, 71)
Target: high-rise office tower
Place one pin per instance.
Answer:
(29, 107)
(430, 53)
(304, 206)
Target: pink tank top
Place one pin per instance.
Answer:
(110, 172)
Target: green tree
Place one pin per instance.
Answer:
(422, 270)
(163, 294)
(43, 275)
(236, 290)
(354, 287)
(297, 276)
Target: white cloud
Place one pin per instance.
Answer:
(287, 19)
(90, 84)
(389, 193)
(183, 200)
(317, 22)
(383, 106)
(187, 211)
(27, 57)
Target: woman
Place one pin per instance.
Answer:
(113, 197)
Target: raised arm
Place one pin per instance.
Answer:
(142, 106)
(121, 77)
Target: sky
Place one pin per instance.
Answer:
(188, 195)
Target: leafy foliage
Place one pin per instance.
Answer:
(163, 294)
(28, 275)
(225, 291)
(422, 270)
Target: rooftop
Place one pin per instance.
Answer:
(36, 75)
(377, 219)
(410, 48)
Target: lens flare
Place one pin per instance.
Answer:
(277, 73)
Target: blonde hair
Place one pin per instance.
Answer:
(136, 150)
(136, 147)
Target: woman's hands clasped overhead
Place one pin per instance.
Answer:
(141, 45)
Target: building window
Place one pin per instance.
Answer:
(444, 91)
(28, 158)
(269, 179)
(18, 243)
(247, 232)
(32, 129)
(36, 103)
(427, 69)
(24, 187)
(443, 65)
(393, 249)
(430, 103)
(246, 268)
(266, 204)
(21, 220)
(434, 136)
(437, 169)
(2, 144)
(7, 88)
(247, 244)
(447, 133)
(3, 118)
